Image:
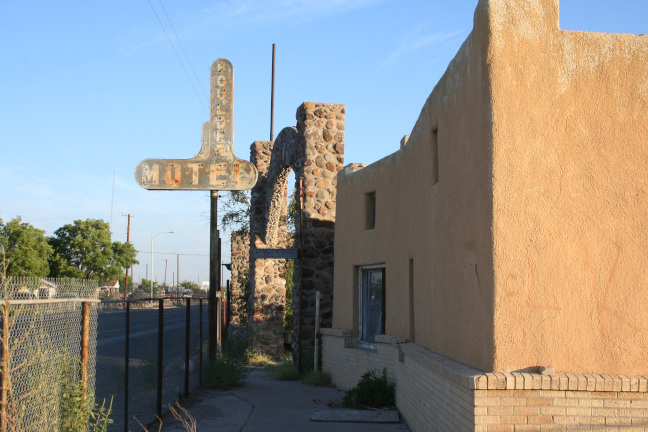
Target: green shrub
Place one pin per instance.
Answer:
(372, 391)
(228, 369)
(225, 373)
(316, 378)
(237, 348)
(77, 410)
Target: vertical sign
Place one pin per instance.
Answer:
(214, 167)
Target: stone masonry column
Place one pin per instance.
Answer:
(322, 126)
(314, 150)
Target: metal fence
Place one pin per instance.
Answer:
(142, 355)
(47, 335)
(149, 354)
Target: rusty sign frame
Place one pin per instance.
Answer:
(215, 167)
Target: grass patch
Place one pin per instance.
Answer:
(283, 371)
(372, 391)
(316, 378)
(259, 359)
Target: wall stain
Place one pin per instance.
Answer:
(531, 292)
(602, 307)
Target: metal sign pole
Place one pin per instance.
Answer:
(213, 277)
(214, 168)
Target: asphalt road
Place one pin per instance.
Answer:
(110, 360)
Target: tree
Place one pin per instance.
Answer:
(84, 249)
(145, 286)
(123, 256)
(192, 286)
(293, 209)
(236, 211)
(26, 249)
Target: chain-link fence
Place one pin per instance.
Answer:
(141, 355)
(44, 349)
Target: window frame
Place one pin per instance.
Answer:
(363, 272)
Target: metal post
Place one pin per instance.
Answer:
(187, 343)
(5, 366)
(160, 356)
(85, 346)
(213, 275)
(272, 95)
(318, 296)
(300, 255)
(166, 264)
(126, 361)
(219, 300)
(152, 270)
(200, 336)
(228, 309)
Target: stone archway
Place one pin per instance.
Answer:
(314, 151)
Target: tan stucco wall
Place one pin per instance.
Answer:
(569, 182)
(445, 228)
(532, 247)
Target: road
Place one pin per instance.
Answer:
(110, 361)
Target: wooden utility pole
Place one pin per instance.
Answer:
(272, 86)
(127, 241)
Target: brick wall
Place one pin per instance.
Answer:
(436, 393)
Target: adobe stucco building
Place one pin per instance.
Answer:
(496, 264)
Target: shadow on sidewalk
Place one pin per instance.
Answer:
(268, 405)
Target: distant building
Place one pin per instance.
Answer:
(110, 289)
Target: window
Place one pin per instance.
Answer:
(435, 156)
(372, 302)
(370, 205)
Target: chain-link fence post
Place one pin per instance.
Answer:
(187, 346)
(5, 366)
(85, 347)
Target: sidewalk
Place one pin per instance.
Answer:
(268, 405)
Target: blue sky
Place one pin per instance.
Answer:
(89, 88)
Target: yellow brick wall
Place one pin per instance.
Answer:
(560, 410)
(435, 393)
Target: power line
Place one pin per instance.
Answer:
(172, 253)
(183, 50)
(178, 57)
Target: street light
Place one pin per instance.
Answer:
(152, 237)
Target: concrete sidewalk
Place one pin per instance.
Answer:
(268, 405)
